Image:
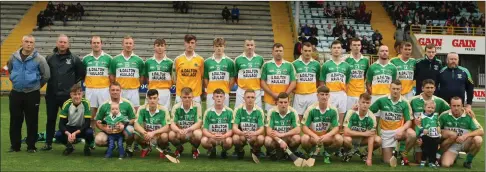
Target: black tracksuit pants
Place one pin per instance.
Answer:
(53, 104)
(23, 105)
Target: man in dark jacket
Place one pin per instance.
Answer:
(226, 14)
(455, 80)
(66, 70)
(298, 48)
(29, 72)
(427, 68)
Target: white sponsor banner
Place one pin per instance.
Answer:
(479, 95)
(454, 43)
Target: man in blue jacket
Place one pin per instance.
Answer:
(29, 72)
(455, 80)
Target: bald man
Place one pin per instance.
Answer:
(66, 69)
(455, 80)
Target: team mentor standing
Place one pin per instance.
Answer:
(66, 69)
(427, 68)
(29, 72)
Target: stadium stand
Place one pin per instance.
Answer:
(146, 21)
(315, 14)
(11, 13)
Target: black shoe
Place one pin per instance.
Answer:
(212, 153)
(31, 150)
(68, 151)
(136, 148)
(46, 147)
(467, 165)
(241, 154)
(128, 153)
(13, 150)
(224, 154)
(273, 155)
(299, 154)
(87, 151)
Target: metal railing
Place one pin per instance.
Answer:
(447, 30)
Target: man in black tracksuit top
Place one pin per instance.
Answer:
(66, 70)
(455, 80)
(427, 68)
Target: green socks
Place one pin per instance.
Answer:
(469, 158)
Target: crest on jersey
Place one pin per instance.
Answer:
(68, 61)
(158, 67)
(459, 75)
(436, 67)
(127, 64)
(249, 65)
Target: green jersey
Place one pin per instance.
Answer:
(335, 75)
(380, 77)
(320, 122)
(429, 123)
(112, 120)
(417, 104)
(186, 118)
(277, 77)
(155, 121)
(356, 85)
(218, 123)
(126, 109)
(219, 73)
(282, 123)
(393, 114)
(461, 125)
(75, 114)
(127, 71)
(307, 75)
(249, 71)
(405, 71)
(248, 121)
(357, 123)
(159, 73)
(97, 70)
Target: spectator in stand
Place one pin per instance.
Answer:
(303, 38)
(313, 29)
(479, 30)
(313, 40)
(399, 33)
(306, 30)
(71, 10)
(365, 45)
(337, 12)
(362, 7)
(351, 32)
(235, 14)
(184, 6)
(79, 11)
(336, 31)
(327, 11)
(377, 36)
(328, 30)
(176, 5)
(42, 21)
(368, 17)
(298, 49)
(467, 29)
(226, 14)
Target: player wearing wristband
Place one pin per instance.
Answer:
(248, 125)
(127, 69)
(219, 72)
(158, 72)
(460, 133)
(359, 65)
(248, 68)
(97, 79)
(395, 122)
(186, 123)
(189, 69)
(278, 76)
(360, 129)
(152, 124)
(320, 124)
(282, 127)
(405, 68)
(380, 75)
(335, 74)
(217, 129)
(126, 109)
(307, 75)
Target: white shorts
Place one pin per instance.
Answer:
(131, 95)
(388, 139)
(303, 101)
(459, 147)
(351, 101)
(338, 100)
(97, 96)
(409, 95)
(210, 101)
(240, 100)
(164, 98)
(196, 99)
(268, 107)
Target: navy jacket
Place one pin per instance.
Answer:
(455, 82)
(66, 70)
(30, 74)
(426, 69)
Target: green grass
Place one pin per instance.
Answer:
(54, 161)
